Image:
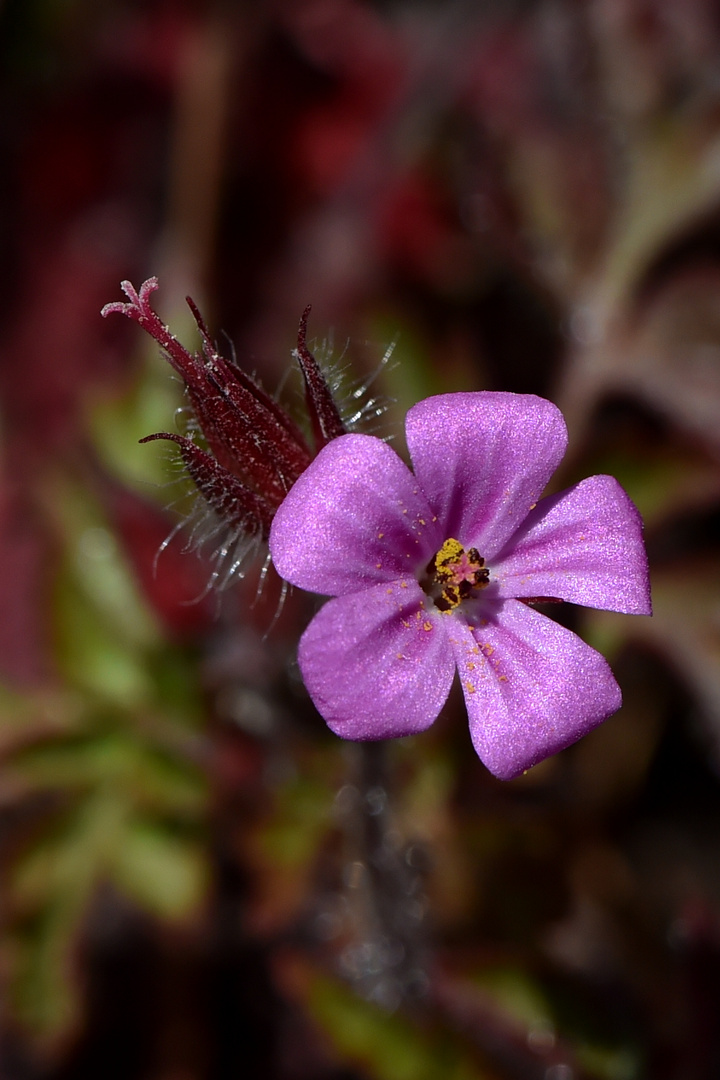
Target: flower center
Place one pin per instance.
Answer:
(454, 574)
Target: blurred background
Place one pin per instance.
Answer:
(197, 880)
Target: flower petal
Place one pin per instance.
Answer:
(354, 518)
(584, 545)
(376, 663)
(531, 687)
(483, 460)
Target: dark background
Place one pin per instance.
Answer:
(199, 882)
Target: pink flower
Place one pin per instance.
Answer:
(429, 570)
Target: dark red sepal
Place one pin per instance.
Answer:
(246, 380)
(325, 417)
(252, 450)
(245, 429)
(269, 445)
(231, 500)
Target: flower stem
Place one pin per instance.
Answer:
(384, 888)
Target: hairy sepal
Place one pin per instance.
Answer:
(232, 500)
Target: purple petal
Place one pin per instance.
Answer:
(354, 518)
(483, 460)
(531, 687)
(584, 545)
(376, 663)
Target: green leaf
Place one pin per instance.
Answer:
(672, 180)
(518, 994)
(161, 872)
(143, 774)
(301, 818)
(44, 988)
(117, 425)
(388, 1047)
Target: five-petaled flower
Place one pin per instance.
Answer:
(429, 570)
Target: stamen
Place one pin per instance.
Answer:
(454, 574)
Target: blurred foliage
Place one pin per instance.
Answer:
(389, 1047)
(198, 879)
(107, 770)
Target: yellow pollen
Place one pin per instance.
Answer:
(454, 575)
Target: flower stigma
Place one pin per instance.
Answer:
(454, 574)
